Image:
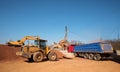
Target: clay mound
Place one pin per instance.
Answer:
(8, 53)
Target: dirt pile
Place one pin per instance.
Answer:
(8, 53)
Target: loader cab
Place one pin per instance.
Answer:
(41, 44)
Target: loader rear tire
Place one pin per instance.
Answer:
(52, 56)
(38, 56)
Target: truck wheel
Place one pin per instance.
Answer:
(38, 56)
(52, 56)
(91, 56)
(80, 54)
(86, 55)
(75, 54)
(97, 57)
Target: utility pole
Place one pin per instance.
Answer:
(66, 33)
(118, 35)
(101, 40)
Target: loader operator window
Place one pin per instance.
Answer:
(42, 44)
(36, 42)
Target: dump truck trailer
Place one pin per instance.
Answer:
(93, 51)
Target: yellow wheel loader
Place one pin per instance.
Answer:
(37, 51)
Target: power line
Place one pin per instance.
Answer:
(118, 34)
(115, 30)
(74, 33)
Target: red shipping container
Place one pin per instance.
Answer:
(71, 48)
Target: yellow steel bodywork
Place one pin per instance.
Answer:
(21, 42)
(30, 50)
(33, 49)
(16, 43)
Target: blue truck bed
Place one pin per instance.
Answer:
(98, 47)
(93, 51)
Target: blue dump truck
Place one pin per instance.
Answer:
(93, 51)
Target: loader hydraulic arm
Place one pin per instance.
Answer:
(21, 42)
(28, 38)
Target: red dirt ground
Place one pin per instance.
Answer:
(8, 53)
(9, 62)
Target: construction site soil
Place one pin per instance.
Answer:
(8, 53)
(9, 62)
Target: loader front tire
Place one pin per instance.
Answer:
(52, 56)
(38, 56)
